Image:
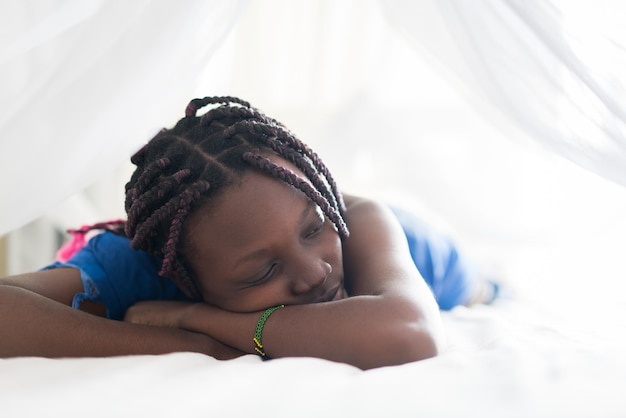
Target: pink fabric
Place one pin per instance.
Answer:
(79, 238)
(71, 247)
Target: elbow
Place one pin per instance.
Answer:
(415, 344)
(421, 345)
(407, 344)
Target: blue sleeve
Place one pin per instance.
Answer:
(117, 276)
(449, 273)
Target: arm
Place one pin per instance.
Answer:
(35, 320)
(391, 318)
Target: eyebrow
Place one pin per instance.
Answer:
(261, 251)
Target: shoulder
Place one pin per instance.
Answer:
(376, 249)
(117, 276)
(113, 248)
(369, 219)
(113, 254)
(122, 265)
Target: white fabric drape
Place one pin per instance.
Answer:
(552, 69)
(85, 82)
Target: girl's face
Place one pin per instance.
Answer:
(263, 243)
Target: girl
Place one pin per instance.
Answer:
(238, 241)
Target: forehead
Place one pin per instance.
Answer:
(250, 213)
(257, 196)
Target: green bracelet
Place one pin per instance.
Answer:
(258, 333)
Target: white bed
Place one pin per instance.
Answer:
(507, 360)
(84, 90)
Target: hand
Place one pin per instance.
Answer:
(158, 313)
(169, 314)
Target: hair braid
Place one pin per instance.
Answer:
(302, 161)
(170, 262)
(295, 144)
(185, 166)
(144, 180)
(149, 227)
(283, 143)
(298, 182)
(197, 104)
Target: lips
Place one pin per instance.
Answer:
(340, 294)
(337, 293)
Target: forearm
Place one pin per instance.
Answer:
(365, 331)
(33, 325)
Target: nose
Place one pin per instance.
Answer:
(307, 279)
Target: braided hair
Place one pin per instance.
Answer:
(182, 168)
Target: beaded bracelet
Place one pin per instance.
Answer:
(258, 333)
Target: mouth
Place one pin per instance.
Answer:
(334, 294)
(340, 294)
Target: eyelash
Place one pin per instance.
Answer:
(265, 277)
(317, 228)
(313, 232)
(319, 224)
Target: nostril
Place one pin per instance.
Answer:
(314, 278)
(329, 270)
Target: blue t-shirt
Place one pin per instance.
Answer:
(448, 272)
(117, 276)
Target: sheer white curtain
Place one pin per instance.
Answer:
(436, 123)
(557, 70)
(553, 74)
(85, 82)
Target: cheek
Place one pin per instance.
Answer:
(231, 298)
(213, 290)
(333, 251)
(211, 293)
(252, 300)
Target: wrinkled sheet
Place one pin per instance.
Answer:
(510, 359)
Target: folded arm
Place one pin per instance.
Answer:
(391, 317)
(35, 320)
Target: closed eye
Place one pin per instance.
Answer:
(315, 231)
(316, 228)
(265, 276)
(317, 225)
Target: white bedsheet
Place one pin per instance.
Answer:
(512, 359)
